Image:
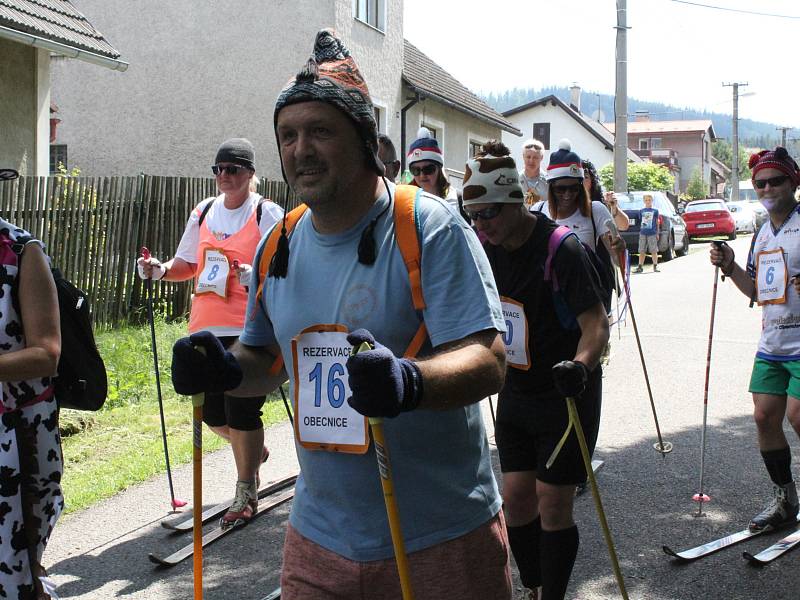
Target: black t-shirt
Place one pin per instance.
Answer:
(520, 277)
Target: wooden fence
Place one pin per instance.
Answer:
(94, 228)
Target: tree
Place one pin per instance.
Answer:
(641, 176)
(722, 150)
(697, 187)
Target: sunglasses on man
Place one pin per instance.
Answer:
(490, 212)
(772, 181)
(426, 170)
(229, 169)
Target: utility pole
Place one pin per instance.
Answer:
(735, 161)
(621, 102)
(783, 131)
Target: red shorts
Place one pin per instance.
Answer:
(475, 565)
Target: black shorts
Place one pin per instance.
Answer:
(529, 429)
(242, 414)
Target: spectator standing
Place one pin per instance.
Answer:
(533, 181)
(648, 233)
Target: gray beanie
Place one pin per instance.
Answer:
(238, 151)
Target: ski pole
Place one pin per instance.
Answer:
(661, 446)
(197, 489)
(148, 284)
(491, 410)
(385, 470)
(701, 496)
(598, 503)
(286, 405)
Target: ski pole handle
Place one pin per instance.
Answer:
(145, 253)
(392, 513)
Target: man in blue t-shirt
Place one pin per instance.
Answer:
(648, 234)
(337, 281)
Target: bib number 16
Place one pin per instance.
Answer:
(335, 389)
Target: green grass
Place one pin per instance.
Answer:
(120, 445)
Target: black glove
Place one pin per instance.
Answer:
(382, 384)
(570, 378)
(194, 372)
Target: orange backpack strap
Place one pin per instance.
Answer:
(272, 245)
(405, 224)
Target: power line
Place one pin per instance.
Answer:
(737, 10)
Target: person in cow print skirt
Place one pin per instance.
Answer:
(30, 448)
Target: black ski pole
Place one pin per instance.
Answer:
(286, 405)
(148, 284)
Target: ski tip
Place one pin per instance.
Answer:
(157, 560)
(671, 553)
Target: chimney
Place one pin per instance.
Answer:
(642, 116)
(575, 96)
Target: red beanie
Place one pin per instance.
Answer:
(775, 159)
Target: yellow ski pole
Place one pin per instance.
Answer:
(385, 470)
(575, 422)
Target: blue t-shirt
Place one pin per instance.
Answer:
(441, 464)
(649, 225)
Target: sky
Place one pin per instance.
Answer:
(678, 53)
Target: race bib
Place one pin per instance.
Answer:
(771, 277)
(213, 278)
(323, 418)
(516, 336)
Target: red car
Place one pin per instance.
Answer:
(709, 218)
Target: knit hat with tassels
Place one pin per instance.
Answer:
(331, 75)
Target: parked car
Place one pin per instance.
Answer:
(744, 216)
(673, 238)
(709, 217)
(748, 194)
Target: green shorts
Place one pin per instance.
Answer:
(778, 378)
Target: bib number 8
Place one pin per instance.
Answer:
(212, 275)
(335, 384)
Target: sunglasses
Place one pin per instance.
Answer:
(560, 190)
(426, 170)
(490, 212)
(772, 181)
(229, 169)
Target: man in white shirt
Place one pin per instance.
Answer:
(533, 182)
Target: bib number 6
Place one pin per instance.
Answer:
(770, 276)
(335, 385)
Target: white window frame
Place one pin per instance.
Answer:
(371, 13)
(383, 111)
(439, 127)
(644, 143)
(473, 138)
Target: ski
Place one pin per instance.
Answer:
(264, 506)
(714, 546)
(275, 595)
(777, 549)
(220, 509)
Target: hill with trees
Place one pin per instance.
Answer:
(752, 134)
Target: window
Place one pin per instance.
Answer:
(655, 143)
(58, 154)
(541, 132)
(378, 121)
(371, 12)
(475, 148)
(644, 144)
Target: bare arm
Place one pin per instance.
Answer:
(463, 372)
(256, 363)
(594, 335)
(39, 313)
(621, 219)
(179, 270)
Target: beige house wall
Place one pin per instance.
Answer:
(24, 108)
(690, 149)
(200, 73)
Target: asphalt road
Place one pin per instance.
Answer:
(102, 552)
